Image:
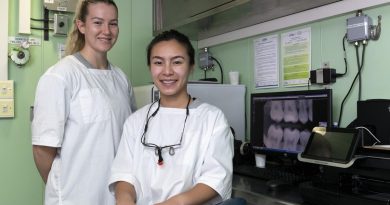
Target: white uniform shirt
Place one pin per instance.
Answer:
(205, 155)
(81, 111)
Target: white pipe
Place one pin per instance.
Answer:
(334, 9)
(4, 40)
(24, 16)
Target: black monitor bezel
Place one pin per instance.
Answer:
(277, 152)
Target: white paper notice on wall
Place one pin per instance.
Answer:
(296, 57)
(18, 40)
(49, 1)
(266, 61)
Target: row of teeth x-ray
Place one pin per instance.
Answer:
(285, 122)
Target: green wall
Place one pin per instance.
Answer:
(20, 182)
(326, 47)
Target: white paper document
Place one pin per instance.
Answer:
(296, 57)
(266, 62)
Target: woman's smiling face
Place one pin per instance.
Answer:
(170, 68)
(100, 27)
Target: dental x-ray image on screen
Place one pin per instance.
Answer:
(286, 124)
(283, 121)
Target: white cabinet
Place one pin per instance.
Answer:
(200, 19)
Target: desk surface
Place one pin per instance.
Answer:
(255, 191)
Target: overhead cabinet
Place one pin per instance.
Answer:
(200, 19)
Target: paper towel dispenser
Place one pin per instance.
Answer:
(200, 19)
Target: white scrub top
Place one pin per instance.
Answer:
(81, 111)
(205, 155)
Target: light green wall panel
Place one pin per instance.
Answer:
(240, 59)
(121, 54)
(135, 21)
(18, 176)
(141, 24)
(326, 47)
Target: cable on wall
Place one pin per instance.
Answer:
(220, 68)
(358, 74)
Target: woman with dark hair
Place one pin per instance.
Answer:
(176, 150)
(80, 106)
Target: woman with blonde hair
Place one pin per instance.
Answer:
(80, 106)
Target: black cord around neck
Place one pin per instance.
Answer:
(158, 149)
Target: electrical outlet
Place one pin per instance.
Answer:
(6, 89)
(60, 24)
(7, 108)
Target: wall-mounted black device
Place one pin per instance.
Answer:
(323, 76)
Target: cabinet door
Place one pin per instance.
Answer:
(200, 19)
(178, 10)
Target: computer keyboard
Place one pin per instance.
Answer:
(272, 173)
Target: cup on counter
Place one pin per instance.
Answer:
(234, 77)
(260, 160)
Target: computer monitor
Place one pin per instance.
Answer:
(281, 122)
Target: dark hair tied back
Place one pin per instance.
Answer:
(172, 35)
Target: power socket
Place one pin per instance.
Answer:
(60, 24)
(7, 108)
(6, 89)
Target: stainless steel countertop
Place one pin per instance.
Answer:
(256, 192)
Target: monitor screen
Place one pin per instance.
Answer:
(281, 122)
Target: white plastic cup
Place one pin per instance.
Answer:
(260, 160)
(234, 77)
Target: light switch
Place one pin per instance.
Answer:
(6, 89)
(7, 108)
